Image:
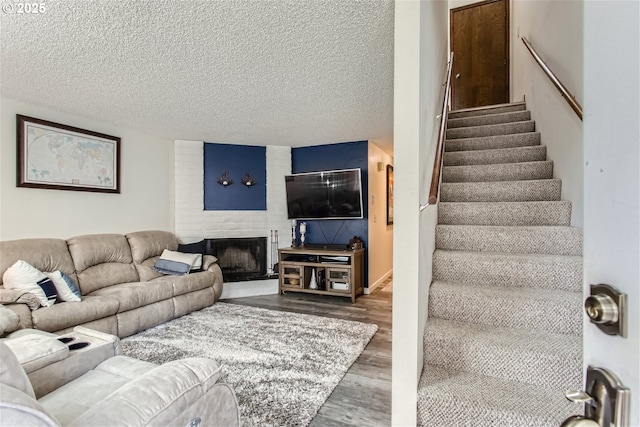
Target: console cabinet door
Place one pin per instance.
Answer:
(292, 276)
(339, 279)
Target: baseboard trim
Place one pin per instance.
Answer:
(252, 288)
(378, 282)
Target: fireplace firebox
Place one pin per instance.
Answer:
(240, 259)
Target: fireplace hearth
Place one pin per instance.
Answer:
(241, 259)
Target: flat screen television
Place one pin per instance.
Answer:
(334, 194)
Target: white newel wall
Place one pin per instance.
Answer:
(193, 223)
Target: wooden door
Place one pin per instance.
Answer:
(480, 42)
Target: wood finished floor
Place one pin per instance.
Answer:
(363, 396)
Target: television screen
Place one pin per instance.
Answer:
(335, 194)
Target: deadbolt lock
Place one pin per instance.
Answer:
(606, 308)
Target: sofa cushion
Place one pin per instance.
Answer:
(146, 271)
(101, 260)
(43, 254)
(22, 276)
(148, 244)
(137, 294)
(191, 282)
(67, 314)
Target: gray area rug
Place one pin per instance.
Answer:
(282, 366)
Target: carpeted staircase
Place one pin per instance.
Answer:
(503, 340)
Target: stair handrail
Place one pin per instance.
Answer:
(568, 96)
(437, 162)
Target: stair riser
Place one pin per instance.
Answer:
(487, 111)
(489, 119)
(467, 400)
(490, 130)
(493, 142)
(490, 157)
(552, 272)
(562, 317)
(508, 213)
(441, 412)
(502, 191)
(519, 240)
(505, 172)
(554, 371)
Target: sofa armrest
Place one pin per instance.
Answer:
(208, 261)
(156, 397)
(36, 351)
(19, 409)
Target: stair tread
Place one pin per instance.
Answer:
(489, 156)
(548, 189)
(495, 118)
(470, 334)
(516, 293)
(509, 269)
(523, 126)
(521, 171)
(555, 310)
(505, 213)
(534, 202)
(543, 239)
(489, 109)
(526, 139)
(507, 255)
(475, 400)
(530, 356)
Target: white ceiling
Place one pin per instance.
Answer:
(256, 72)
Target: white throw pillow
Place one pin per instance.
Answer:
(22, 276)
(67, 290)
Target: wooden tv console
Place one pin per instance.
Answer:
(337, 272)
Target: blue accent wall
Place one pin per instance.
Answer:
(237, 160)
(347, 155)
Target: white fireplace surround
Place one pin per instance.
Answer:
(193, 223)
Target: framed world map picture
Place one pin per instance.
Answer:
(60, 157)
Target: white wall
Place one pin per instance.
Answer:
(193, 223)
(554, 28)
(380, 248)
(420, 60)
(434, 56)
(145, 201)
(612, 180)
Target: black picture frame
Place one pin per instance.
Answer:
(60, 157)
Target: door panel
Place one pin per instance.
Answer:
(480, 42)
(612, 181)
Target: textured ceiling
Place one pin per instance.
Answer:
(282, 72)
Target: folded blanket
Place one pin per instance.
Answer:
(172, 262)
(13, 296)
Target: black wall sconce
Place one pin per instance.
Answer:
(224, 179)
(248, 180)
